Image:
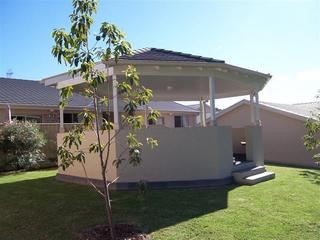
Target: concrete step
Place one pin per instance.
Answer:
(257, 178)
(244, 166)
(248, 172)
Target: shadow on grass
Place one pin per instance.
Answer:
(44, 207)
(312, 176)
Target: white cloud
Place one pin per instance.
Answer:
(295, 88)
(299, 87)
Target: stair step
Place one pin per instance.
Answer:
(244, 166)
(257, 178)
(248, 172)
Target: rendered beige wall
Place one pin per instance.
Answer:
(3, 115)
(183, 154)
(93, 163)
(254, 146)
(282, 135)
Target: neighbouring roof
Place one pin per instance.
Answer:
(168, 106)
(197, 106)
(300, 111)
(32, 93)
(158, 54)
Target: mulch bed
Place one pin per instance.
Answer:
(123, 232)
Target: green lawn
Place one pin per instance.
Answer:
(34, 205)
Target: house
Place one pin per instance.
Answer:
(204, 112)
(29, 100)
(194, 156)
(283, 127)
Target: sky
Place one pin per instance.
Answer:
(277, 37)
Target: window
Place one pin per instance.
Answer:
(178, 121)
(151, 122)
(70, 118)
(108, 116)
(22, 118)
(160, 121)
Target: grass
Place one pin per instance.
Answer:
(33, 205)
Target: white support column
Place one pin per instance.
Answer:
(252, 109)
(212, 90)
(115, 102)
(9, 114)
(201, 112)
(258, 120)
(204, 112)
(61, 122)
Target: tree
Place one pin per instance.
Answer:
(312, 138)
(74, 50)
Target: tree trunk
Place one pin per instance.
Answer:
(108, 208)
(107, 200)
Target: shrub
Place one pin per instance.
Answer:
(22, 144)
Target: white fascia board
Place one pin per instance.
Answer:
(55, 79)
(194, 64)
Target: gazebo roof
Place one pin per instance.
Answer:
(158, 54)
(176, 76)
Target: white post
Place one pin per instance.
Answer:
(258, 120)
(252, 108)
(61, 123)
(9, 113)
(201, 112)
(212, 91)
(115, 102)
(146, 116)
(204, 111)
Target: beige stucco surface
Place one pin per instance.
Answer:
(92, 164)
(183, 154)
(282, 135)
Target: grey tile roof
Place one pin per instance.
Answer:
(28, 92)
(166, 106)
(161, 106)
(301, 109)
(157, 54)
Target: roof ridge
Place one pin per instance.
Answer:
(19, 79)
(305, 103)
(187, 55)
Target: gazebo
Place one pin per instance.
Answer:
(185, 156)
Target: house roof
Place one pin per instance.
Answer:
(159, 54)
(31, 93)
(300, 111)
(169, 106)
(21, 92)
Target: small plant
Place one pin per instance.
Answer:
(312, 138)
(22, 143)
